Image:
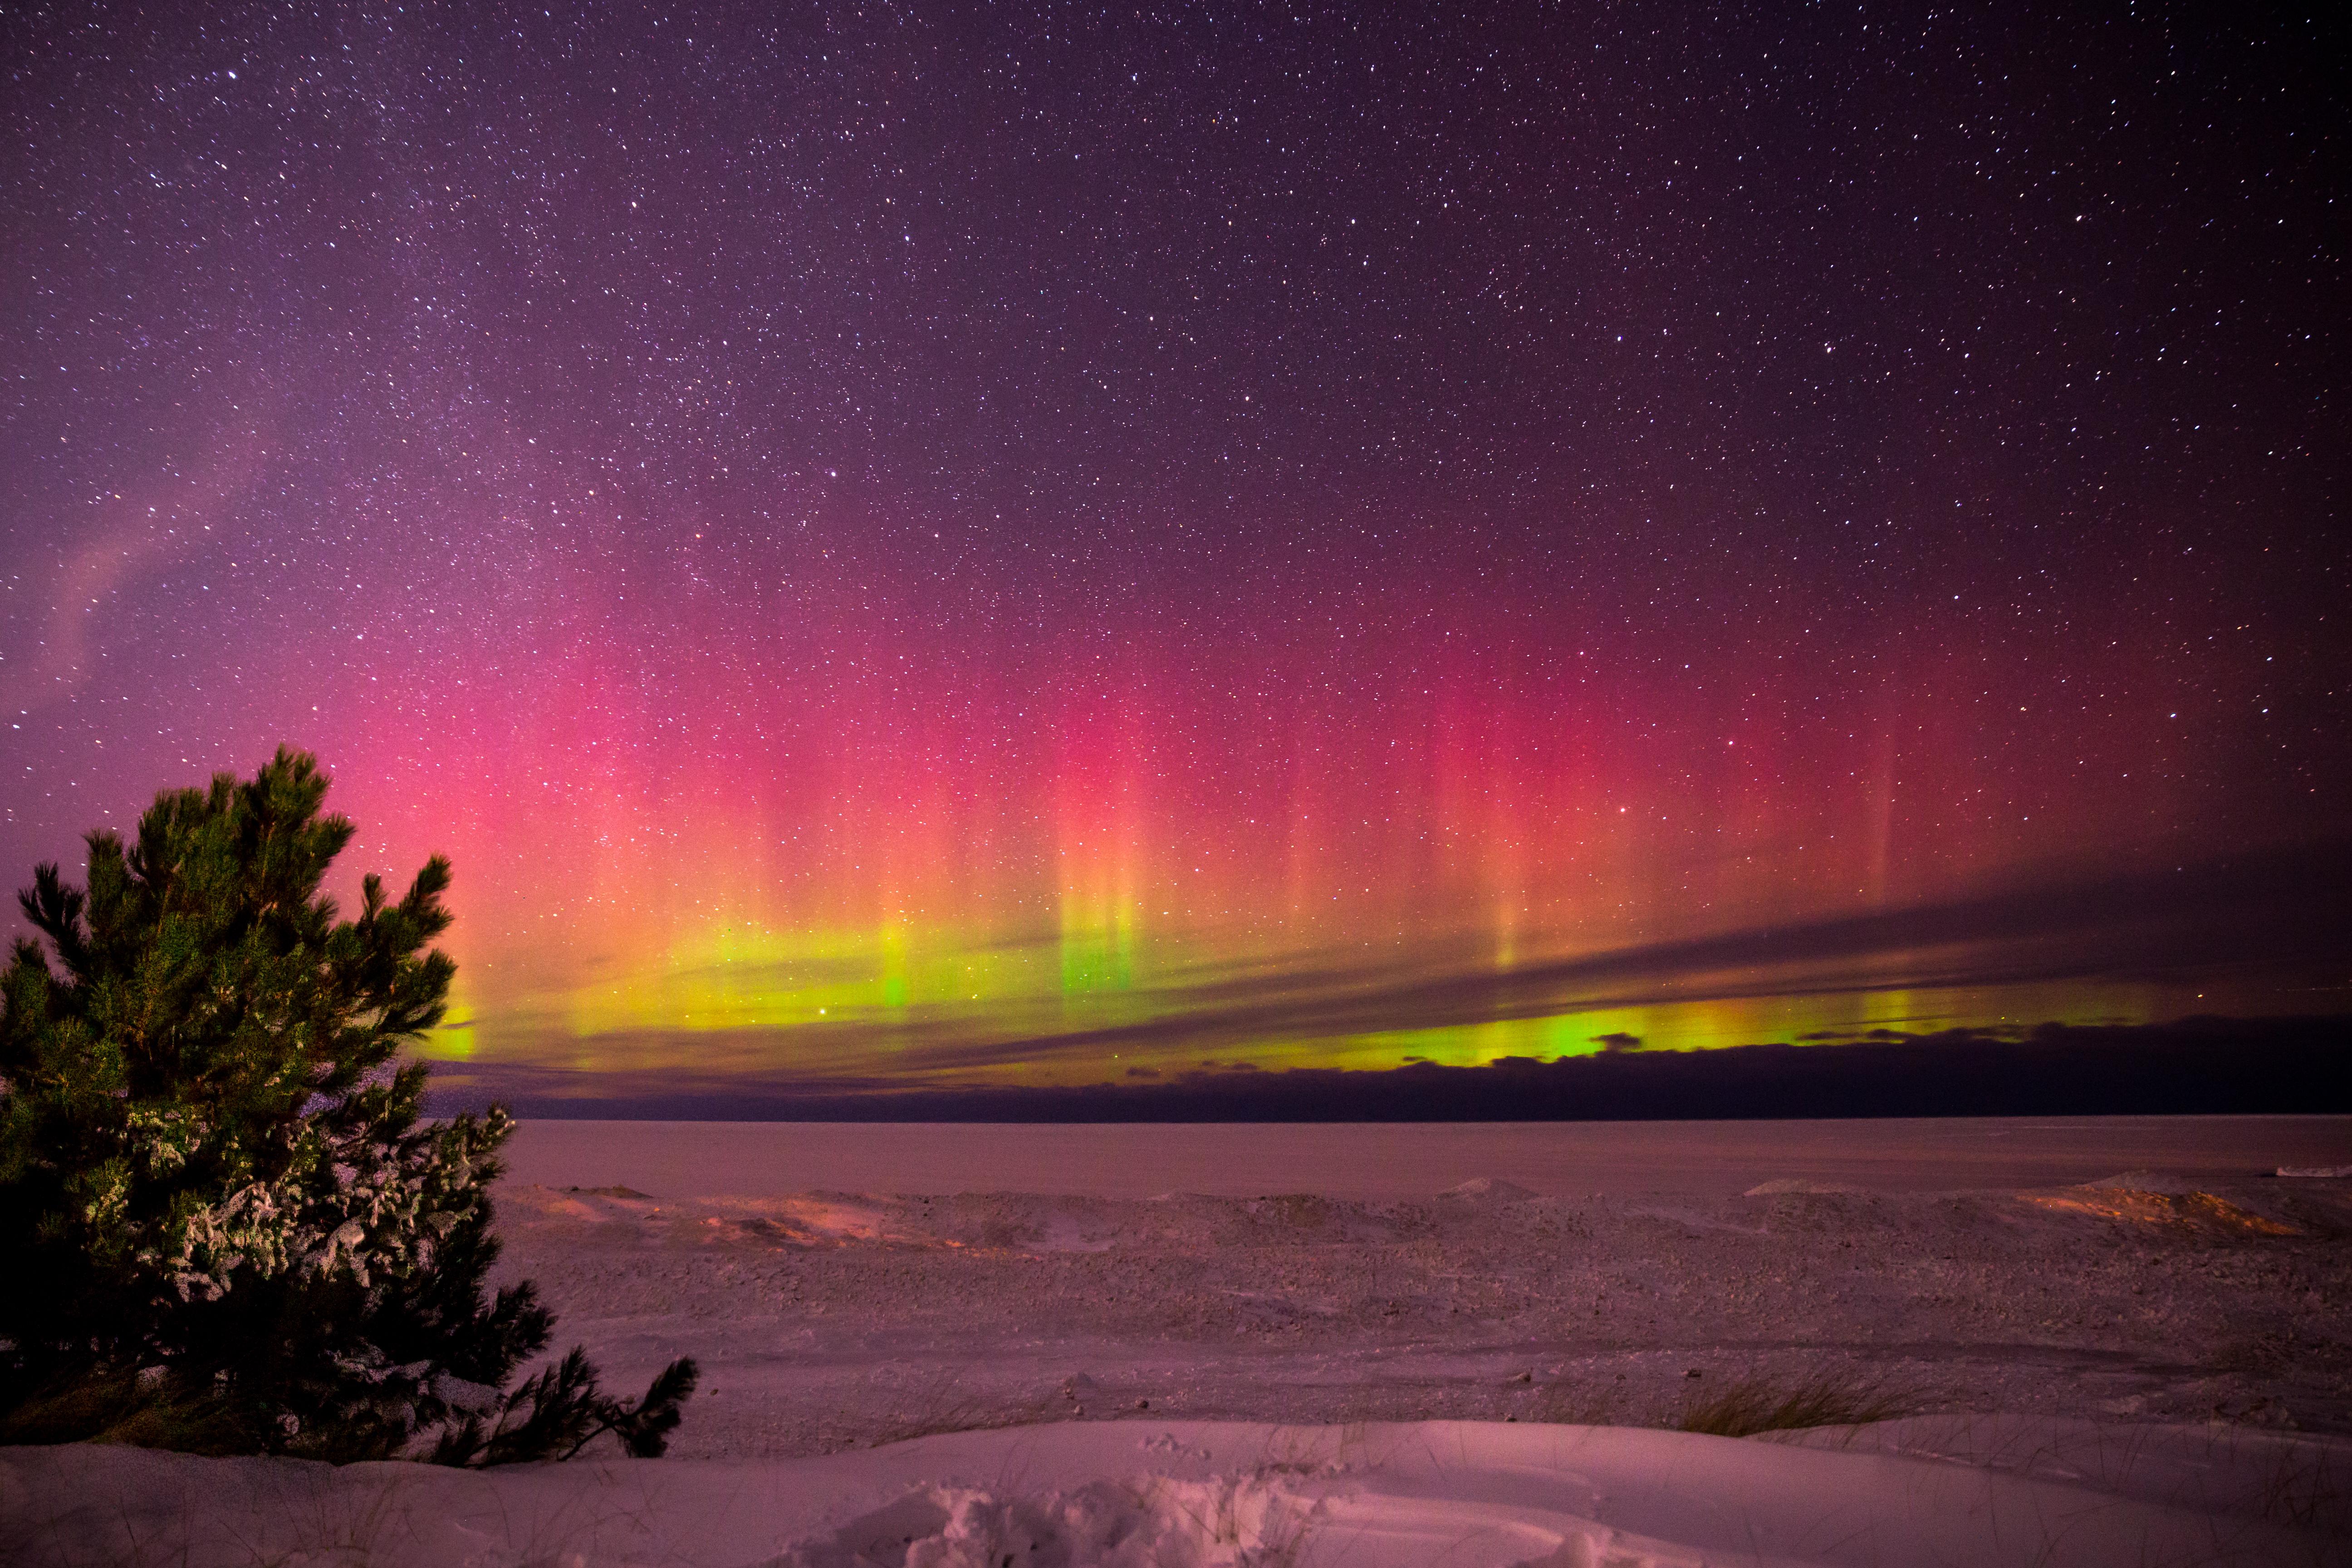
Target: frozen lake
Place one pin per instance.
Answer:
(1397, 1160)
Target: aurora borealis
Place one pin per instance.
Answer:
(947, 545)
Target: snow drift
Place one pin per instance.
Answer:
(1930, 1491)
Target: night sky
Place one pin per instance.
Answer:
(929, 546)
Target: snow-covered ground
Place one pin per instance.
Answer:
(1148, 1494)
(826, 1322)
(2154, 1366)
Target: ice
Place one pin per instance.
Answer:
(1555, 1159)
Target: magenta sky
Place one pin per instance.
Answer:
(1004, 545)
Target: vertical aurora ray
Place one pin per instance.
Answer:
(953, 868)
(1099, 822)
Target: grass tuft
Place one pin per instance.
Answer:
(118, 1408)
(1758, 1404)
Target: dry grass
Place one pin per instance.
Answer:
(1758, 1405)
(120, 1407)
(945, 1404)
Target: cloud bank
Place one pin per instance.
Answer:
(2200, 1066)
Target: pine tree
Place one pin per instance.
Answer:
(225, 1228)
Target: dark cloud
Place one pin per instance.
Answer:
(2204, 1065)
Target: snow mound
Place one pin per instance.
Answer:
(1222, 1523)
(1489, 1189)
(1782, 1184)
(2188, 1210)
(2163, 1182)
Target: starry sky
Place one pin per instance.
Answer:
(933, 546)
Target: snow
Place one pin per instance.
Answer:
(1222, 1495)
(2150, 1364)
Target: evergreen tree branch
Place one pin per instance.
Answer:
(216, 1190)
